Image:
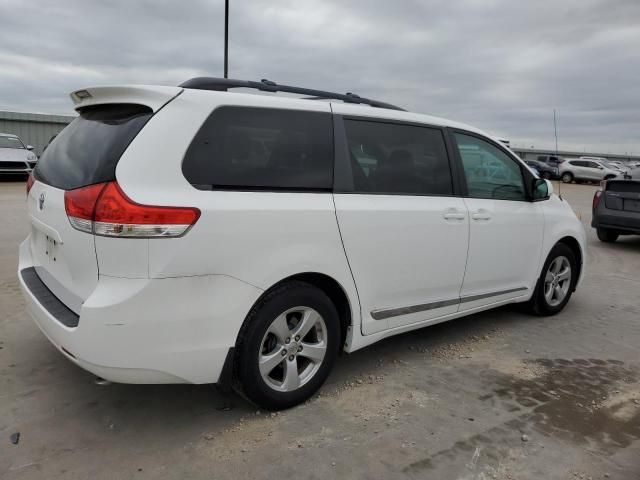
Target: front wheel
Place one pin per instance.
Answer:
(567, 177)
(556, 282)
(287, 346)
(607, 235)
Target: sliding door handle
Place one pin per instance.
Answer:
(481, 216)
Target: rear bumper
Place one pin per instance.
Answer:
(174, 330)
(616, 219)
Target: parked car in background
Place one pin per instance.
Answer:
(597, 159)
(15, 156)
(616, 165)
(544, 170)
(552, 160)
(267, 233)
(616, 207)
(580, 170)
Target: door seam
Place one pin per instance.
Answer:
(344, 249)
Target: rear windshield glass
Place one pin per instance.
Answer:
(88, 149)
(262, 149)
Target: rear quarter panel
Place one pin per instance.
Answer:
(257, 237)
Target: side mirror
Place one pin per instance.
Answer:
(29, 147)
(541, 189)
(549, 187)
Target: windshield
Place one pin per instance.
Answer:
(11, 142)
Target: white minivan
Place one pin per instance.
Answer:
(190, 234)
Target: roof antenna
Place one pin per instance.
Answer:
(555, 131)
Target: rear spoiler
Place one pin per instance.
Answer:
(151, 96)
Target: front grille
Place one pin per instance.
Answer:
(13, 165)
(47, 299)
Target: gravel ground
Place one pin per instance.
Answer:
(496, 395)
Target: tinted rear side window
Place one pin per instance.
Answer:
(391, 158)
(88, 149)
(263, 149)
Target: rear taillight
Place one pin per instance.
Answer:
(30, 181)
(596, 199)
(104, 209)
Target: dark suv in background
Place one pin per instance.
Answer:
(552, 160)
(616, 207)
(546, 171)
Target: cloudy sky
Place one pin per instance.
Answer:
(501, 65)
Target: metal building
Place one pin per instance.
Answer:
(33, 128)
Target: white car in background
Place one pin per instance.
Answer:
(586, 170)
(193, 235)
(15, 156)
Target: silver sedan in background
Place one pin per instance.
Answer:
(15, 156)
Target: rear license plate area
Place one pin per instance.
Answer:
(632, 205)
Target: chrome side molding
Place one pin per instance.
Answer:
(385, 313)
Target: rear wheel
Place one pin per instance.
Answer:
(556, 282)
(607, 235)
(567, 177)
(287, 346)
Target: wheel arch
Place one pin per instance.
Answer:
(574, 245)
(331, 287)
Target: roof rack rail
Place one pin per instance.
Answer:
(224, 84)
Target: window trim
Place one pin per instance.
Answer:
(343, 175)
(527, 175)
(203, 187)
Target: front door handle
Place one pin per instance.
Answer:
(453, 214)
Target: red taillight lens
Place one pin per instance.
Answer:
(30, 181)
(104, 209)
(596, 199)
(80, 205)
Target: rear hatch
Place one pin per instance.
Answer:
(623, 195)
(85, 153)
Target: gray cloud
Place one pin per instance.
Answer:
(499, 65)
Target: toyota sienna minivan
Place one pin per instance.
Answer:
(196, 235)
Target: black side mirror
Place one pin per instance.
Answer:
(540, 189)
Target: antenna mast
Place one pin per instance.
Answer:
(555, 131)
(226, 38)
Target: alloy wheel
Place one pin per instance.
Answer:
(292, 349)
(557, 281)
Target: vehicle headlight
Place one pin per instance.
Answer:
(31, 156)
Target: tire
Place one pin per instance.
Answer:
(541, 304)
(609, 177)
(269, 331)
(546, 175)
(567, 177)
(607, 235)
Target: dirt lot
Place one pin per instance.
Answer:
(497, 395)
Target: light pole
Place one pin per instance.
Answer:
(226, 38)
